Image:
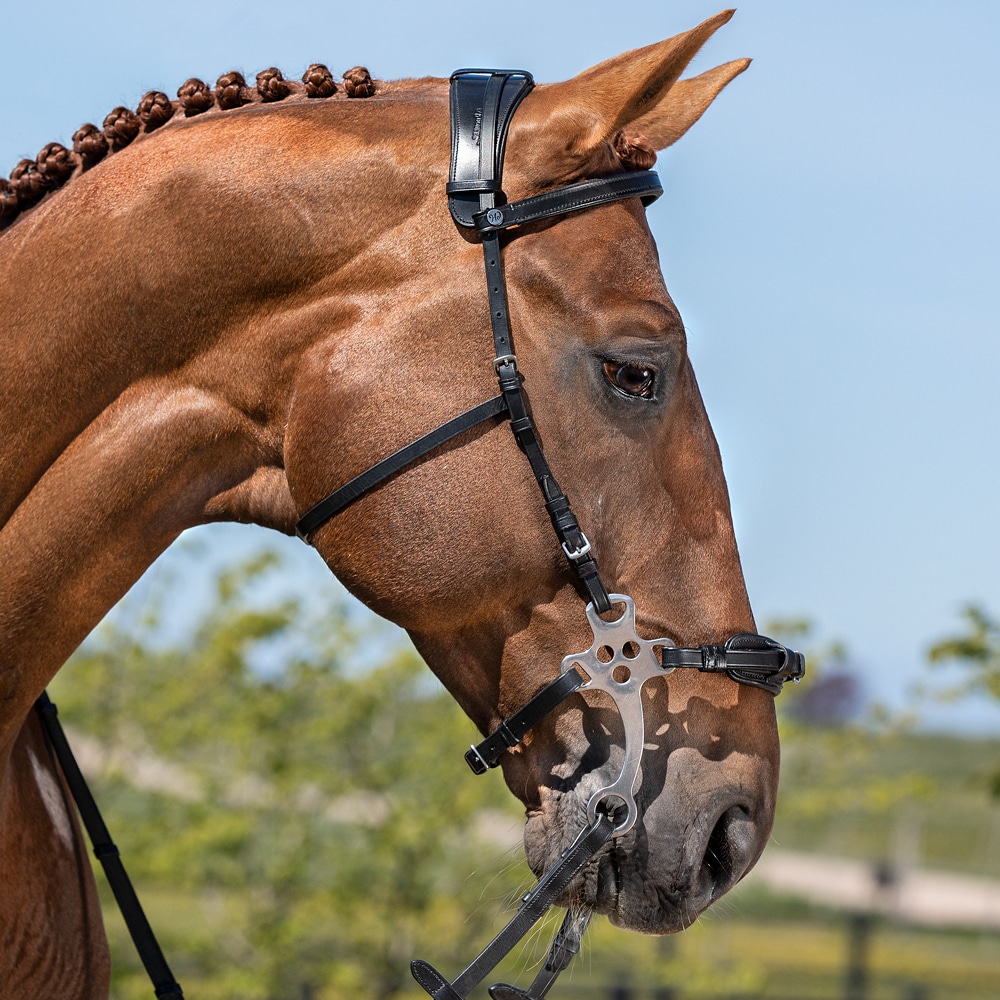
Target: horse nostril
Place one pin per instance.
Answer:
(729, 849)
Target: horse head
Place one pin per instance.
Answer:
(246, 297)
(458, 548)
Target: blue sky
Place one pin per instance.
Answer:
(829, 232)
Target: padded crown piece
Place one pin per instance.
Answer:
(483, 102)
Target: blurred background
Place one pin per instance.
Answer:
(829, 232)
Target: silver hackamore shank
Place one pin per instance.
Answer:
(635, 661)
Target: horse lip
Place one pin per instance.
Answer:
(612, 884)
(607, 881)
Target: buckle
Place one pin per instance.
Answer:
(504, 359)
(578, 553)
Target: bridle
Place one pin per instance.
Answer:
(619, 662)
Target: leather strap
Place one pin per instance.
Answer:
(644, 184)
(510, 732)
(589, 841)
(746, 658)
(381, 471)
(484, 101)
(482, 106)
(165, 987)
(752, 659)
(564, 948)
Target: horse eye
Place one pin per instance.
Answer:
(633, 380)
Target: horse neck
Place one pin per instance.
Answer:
(155, 312)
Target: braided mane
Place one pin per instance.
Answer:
(31, 180)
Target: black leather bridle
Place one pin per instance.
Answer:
(483, 103)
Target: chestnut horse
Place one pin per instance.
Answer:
(263, 293)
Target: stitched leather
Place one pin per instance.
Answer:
(588, 842)
(644, 184)
(483, 102)
(565, 946)
(365, 482)
(511, 731)
(563, 520)
(746, 657)
(165, 987)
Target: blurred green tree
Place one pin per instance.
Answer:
(315, 820)
(977, 649)
(832, 794)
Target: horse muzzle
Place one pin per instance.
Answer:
(693, 840)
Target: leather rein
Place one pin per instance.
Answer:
(483, 103)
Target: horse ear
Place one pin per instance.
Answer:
(685, 103)
(640, 89)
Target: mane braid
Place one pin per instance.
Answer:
(32, 180)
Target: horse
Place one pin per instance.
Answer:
(222, 307)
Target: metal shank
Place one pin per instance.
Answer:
(620, 662)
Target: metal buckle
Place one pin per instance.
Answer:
(505, 359)
(576, 554)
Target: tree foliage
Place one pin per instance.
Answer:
(299, 821)
(827, 754)
(315, 820)
(977, 649)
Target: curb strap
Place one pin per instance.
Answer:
(589, 841)
(164, 985)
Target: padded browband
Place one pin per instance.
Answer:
(644, 184)
(483, 103)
